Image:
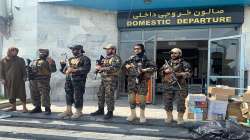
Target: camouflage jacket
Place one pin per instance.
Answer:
(177, 66)
(110, 66)
(42, 69)
(82, 64)
(139, 63)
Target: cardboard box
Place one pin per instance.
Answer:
(234, 109)
(190, 115)
(202, 104)
(196, 97)
(245, 110)
(217, 106)
(217, 109)
(215, 116)
(246, 96)
(220, 97)
(198, 116)
(222, 90)
(197, 105)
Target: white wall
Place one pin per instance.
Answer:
(246, 33)
(3, 10)
(39, 25)
(23, 30)
(59, 26)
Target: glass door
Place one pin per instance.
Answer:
(226, 62)
(150, 47)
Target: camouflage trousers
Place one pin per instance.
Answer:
(179, 96)
(40, 92)
(74, 92)
(106, 93)
(134, 88)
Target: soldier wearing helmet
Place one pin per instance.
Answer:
(109, 70)
(76, 70)
(176, 68)
(41, 69)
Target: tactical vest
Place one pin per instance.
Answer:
(74, 62)
(41, 69)
(107, 62)
(139, 63)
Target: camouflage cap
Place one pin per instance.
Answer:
(176, 50)
(109, 46)
(78, 47)
(43, 51)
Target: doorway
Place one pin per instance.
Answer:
(195, 52)
(206, 49)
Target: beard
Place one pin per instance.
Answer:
(175, 58)
(43, 56)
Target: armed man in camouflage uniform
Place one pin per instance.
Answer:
(178, 69)
(76, 70)
(41, 69)
(109, 71)
(139, 69)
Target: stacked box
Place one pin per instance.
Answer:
(234, 110)
(221, 93)
(217, 109)
(196, 106)
(245, 106)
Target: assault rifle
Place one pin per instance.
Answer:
(30, 74)
(173, 75)
(99, 62)
(137, 65)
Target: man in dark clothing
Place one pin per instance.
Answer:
(76, 70)
(139, 69)
(42, 68)
(13, 76)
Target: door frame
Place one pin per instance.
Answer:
(241, 58)
(153, 78)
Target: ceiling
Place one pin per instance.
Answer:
(126, 5)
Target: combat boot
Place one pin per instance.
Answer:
(100, 111)
(169, 118)
(180, 118)
(67, 112)
(47, 111)
(77, 114)
(132, 115)
(142, 116)
(109, 115)
(37, 109)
